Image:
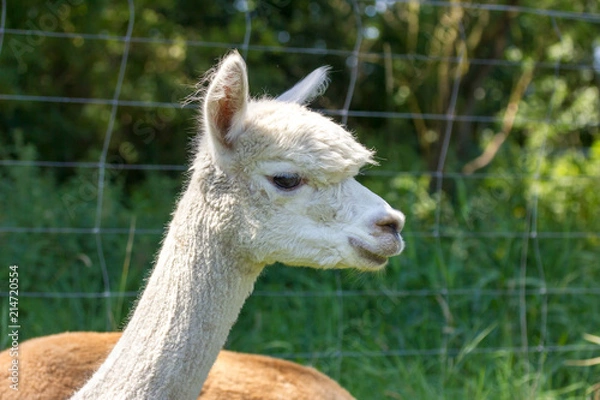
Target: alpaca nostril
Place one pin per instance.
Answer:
(391, 223)
(393, 227)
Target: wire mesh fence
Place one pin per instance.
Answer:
(497, 105)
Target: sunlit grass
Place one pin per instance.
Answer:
(448, 319)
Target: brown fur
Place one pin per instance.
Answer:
(53, 367)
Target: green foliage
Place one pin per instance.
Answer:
(66, 261)
(503, 257)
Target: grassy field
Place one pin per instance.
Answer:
(500, 278)
(476, 307)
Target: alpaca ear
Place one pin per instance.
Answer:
(309, 88)
(226, 99)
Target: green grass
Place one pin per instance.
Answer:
(443, 321)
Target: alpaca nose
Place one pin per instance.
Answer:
(390, 222)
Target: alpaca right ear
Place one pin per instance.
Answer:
(226, 100)
(309, 88)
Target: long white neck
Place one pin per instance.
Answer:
(182, 320)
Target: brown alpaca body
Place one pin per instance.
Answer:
(54, 367)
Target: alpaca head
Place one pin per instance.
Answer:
(288, 174)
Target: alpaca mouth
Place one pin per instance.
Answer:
(366, 252)
(377, 259)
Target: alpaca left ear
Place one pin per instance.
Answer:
(226, 100)
(309, 88)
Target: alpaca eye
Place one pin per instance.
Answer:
(286, 181)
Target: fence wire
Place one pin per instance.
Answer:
(530, 236)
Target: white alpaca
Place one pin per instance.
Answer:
(271, 182)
